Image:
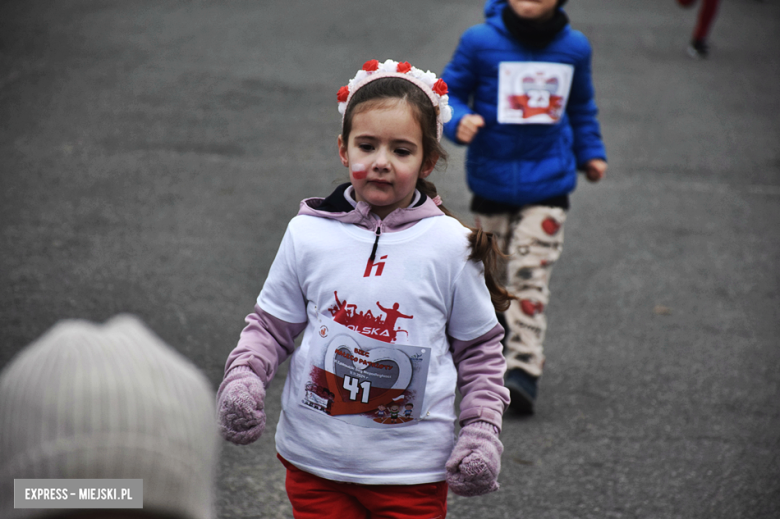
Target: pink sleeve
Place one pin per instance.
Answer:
(481, 366)
(264, 344)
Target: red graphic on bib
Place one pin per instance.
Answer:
(540, 96)
(379, 327)
(348, 399)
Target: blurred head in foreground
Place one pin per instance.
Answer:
(110, 401)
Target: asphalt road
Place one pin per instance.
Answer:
(153, 152)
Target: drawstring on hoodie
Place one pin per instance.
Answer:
(376, 243)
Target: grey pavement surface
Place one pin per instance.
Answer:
(153, 152)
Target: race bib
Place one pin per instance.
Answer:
(533, 92)
(364, 381)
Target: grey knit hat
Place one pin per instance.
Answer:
(112, 401)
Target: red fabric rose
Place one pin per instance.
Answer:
(343, 94)
(440, 87)
(370, 65)
(403, 68)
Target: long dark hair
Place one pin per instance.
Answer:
(484, 246)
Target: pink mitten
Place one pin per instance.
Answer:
(240, 406)
(475, 462)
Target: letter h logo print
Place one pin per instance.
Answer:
(380, 266)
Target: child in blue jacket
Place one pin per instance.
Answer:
(523, 100)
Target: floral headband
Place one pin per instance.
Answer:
(435, 89)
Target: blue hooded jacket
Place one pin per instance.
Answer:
(521, 164)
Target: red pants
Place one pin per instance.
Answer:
(313, 497)
(707, 12)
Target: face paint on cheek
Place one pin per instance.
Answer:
(358, 171)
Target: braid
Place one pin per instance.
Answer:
(429, 189)
(484, 248)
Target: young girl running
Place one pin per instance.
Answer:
(393, 296)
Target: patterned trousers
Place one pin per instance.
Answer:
(533, 239)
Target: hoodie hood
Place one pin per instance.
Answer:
(340, 206)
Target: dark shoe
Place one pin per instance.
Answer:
(522, 391)
(698, 49)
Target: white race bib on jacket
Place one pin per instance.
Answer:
(533, 92)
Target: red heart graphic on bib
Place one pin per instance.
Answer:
(385, 373)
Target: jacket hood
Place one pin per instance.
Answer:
(493, 10)
(340, 206)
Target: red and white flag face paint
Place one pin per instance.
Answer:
(359, 171)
